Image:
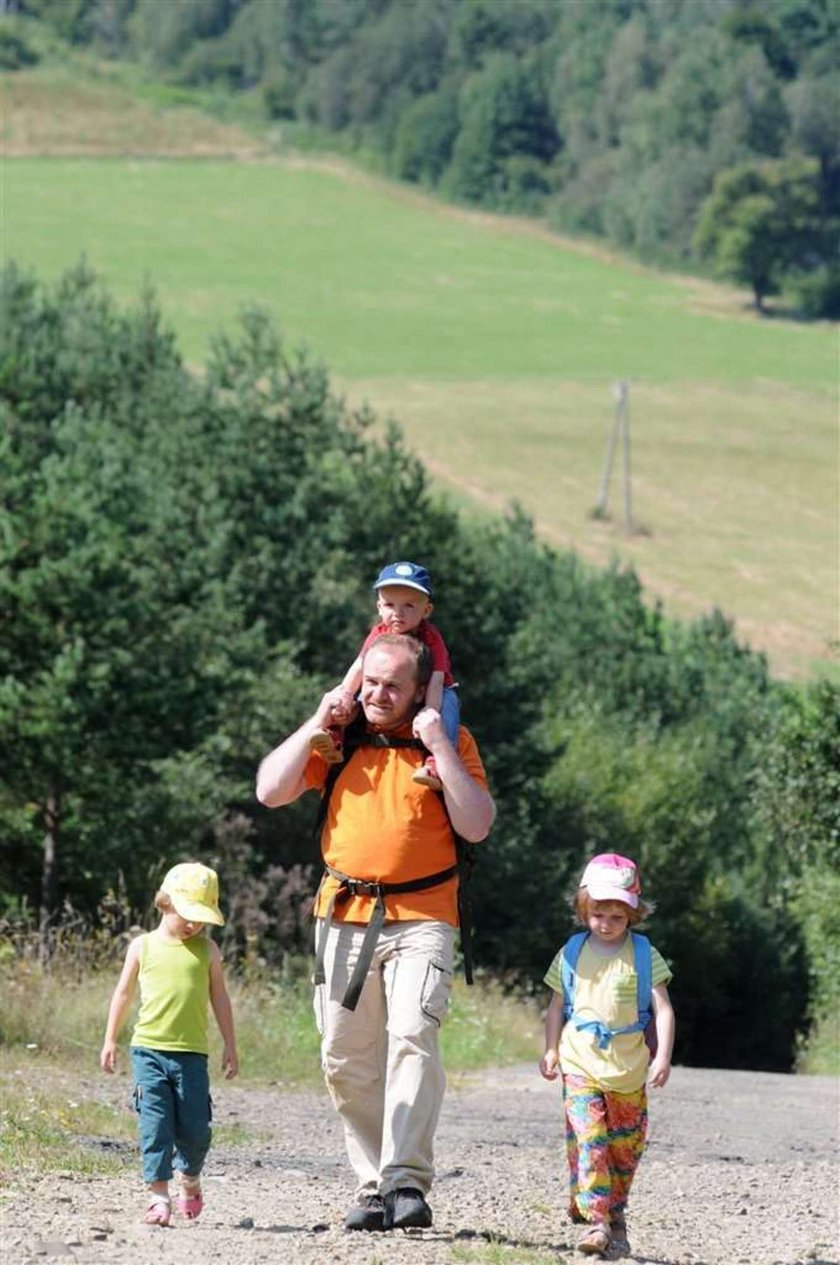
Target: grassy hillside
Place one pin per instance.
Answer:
(496, 346)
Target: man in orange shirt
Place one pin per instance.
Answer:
(387, 913)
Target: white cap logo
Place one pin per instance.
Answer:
(402, 568)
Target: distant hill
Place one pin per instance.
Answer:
(494, 343)
(702, 134)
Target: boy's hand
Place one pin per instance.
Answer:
(550, 1065)
(658, 1072)
(230, 1062)
(108, 1056)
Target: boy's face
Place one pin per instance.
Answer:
(402, 608)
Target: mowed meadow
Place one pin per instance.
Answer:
(495, 345)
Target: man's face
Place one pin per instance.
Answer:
(389, 692)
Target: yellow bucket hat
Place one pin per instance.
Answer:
(193, 889)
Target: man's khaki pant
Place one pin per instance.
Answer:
(381, 1061)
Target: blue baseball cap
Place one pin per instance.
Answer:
(407, 574)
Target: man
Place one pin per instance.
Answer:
(387, 913)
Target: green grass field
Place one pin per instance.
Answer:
(496, 346)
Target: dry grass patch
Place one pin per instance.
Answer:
(56, 114)
(737, 497)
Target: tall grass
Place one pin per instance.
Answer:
(58, 1008)
(58, 1113)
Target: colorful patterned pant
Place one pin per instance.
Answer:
(605, 1138)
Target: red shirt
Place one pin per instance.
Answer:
(428, 634)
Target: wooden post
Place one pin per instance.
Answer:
(624, 395)
(600, 510)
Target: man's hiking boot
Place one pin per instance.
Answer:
(406, 1209)
(427, 775)
(368, 1213)
(328, 744)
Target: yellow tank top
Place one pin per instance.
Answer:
(174, 993)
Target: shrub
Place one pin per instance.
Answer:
(15, 53)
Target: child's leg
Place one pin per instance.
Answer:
(193, 1113)
(450, 714)
(588, 1151)
(572, 1160)
(627, 1121)
(155, 1107)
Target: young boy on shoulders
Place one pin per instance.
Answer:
(404, 604)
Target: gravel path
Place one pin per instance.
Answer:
(741, 1168)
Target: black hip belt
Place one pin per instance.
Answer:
(348, 887)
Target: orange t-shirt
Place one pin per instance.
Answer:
(384, 828)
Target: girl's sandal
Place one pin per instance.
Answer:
(190, 1203)
(596, 1241)
(159, 1211)
(618, 1230)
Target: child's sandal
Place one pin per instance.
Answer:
(324, 743)
(596, 1241)
(190, 1203)
(159, 1211)
(618, 1232)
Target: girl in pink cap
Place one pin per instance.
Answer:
(605, 982)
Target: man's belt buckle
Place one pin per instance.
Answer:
(359, 887)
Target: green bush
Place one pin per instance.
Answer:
(15, 52)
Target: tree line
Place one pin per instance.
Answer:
(185, 566)
(704, 134)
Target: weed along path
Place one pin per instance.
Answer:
(740, 1169)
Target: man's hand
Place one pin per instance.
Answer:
(428, 727)
(344, 707)
(335, 708)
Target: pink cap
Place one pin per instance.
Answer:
(612, 877)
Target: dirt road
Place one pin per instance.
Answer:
(740, 1170)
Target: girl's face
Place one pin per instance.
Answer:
(608, 920)
(181, 928)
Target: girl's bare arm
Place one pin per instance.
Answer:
(222, 1009)
(121, 999)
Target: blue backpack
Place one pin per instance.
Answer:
(644, 989)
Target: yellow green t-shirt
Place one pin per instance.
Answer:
(174, 984)
(605, 989)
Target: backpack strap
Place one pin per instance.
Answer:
(568, 967)
(642, 960)
(355, 737)
(643, 968)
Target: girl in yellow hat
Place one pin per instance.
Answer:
(179, 969)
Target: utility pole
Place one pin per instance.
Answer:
(620, 427)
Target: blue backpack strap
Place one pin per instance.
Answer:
(643, 968)
(568, 966)
(644, 977)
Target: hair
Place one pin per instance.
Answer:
(163, 902)
(417, 650)
(582, 903)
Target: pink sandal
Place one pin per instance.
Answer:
(190, 1202)
(159, 1211)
